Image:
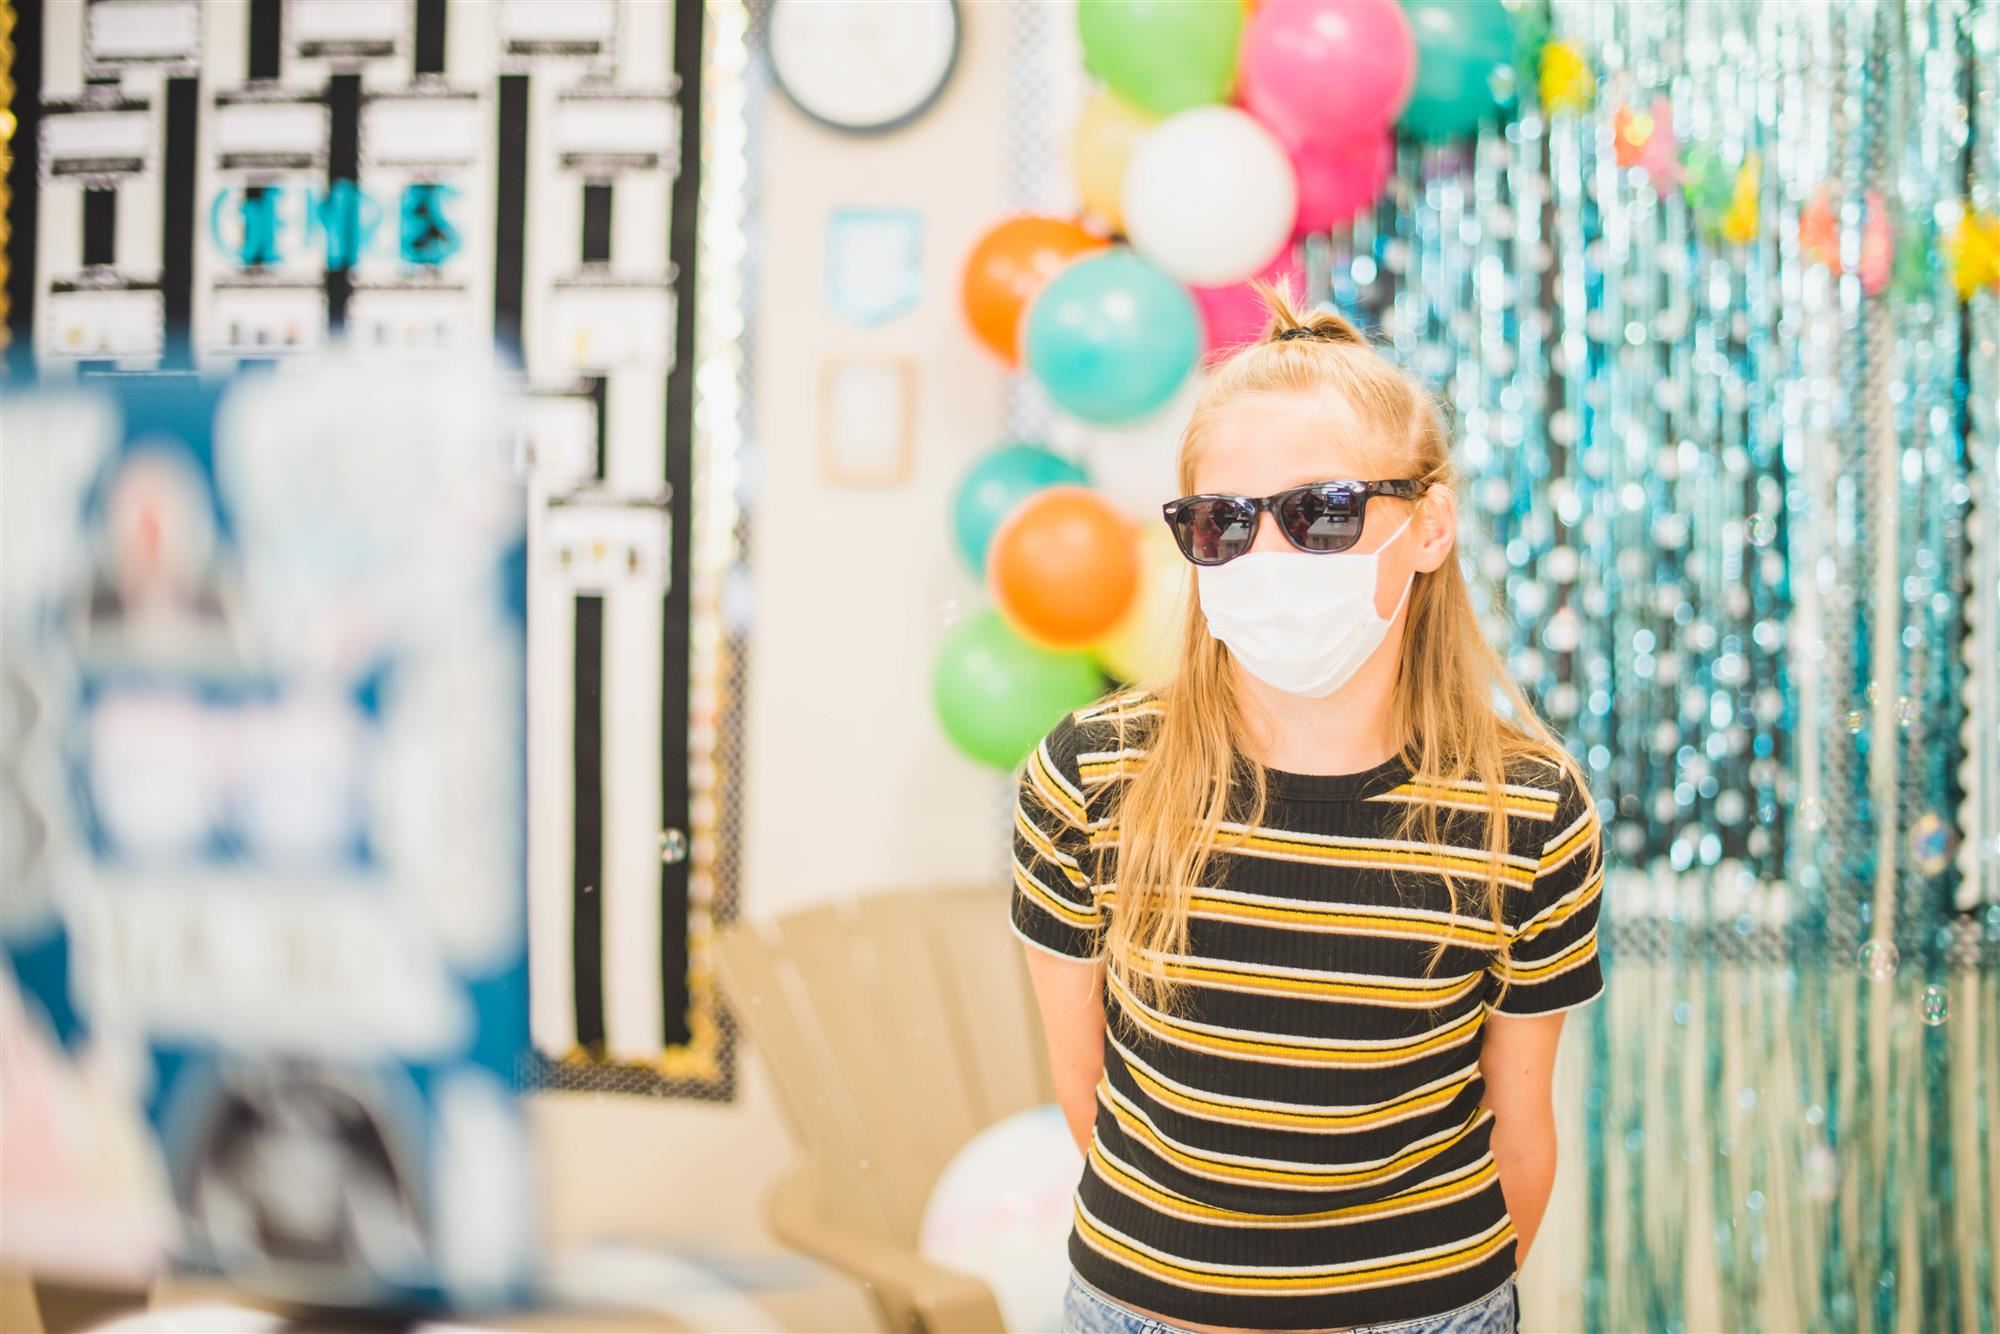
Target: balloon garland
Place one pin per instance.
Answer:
(1217, 136)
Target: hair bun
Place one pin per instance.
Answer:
(1323, 326)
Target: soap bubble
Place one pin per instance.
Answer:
(1934, 1005)
(1879, 959)
(1761, 529)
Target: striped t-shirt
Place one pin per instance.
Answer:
(1304, 1147)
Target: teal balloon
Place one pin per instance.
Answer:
(1001, 479)
(1111, 337)
(1162, 56)
(997, 694)
(1465, 70)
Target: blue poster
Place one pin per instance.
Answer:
(874, 263)
(261, 832)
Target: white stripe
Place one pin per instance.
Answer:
(1589, 814)
(1332, 841)
(1408, 1151)
(634, 1022)
(1460, 1075)
(1283, 1222)
(1359, 1046)
(1330, 1272)
(1036, 944)
(551, 844)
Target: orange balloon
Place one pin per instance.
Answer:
(1063, 567)
(1007, 268)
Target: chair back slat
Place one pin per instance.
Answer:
(896, 1027)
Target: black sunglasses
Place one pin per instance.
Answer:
(1319, 517)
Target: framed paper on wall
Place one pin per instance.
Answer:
(867, 411)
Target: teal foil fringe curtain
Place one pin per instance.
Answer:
(1729, 430)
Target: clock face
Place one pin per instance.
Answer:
(863, 65)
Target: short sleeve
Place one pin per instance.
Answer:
(1553, 928)
(1054, 906)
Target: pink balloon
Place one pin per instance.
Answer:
(1323, 71)
(1233, 314)
(1337, 181)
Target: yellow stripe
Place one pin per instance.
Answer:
(1359, 857)
(1133, 702)
(1469, 931)
(1385, 992)
(1556, 916)
(1184, 1276)
(1050, 787)
(1562, 854)
(1093, 771)
(1464, 1182)
(1181, 1035)
(1574, 957)
(1042, 844)
(1332, 1179)
(1402, 1108)
(1057, 906)
(1514, 803)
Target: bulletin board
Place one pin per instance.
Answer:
(196, 186)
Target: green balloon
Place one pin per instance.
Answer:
(997, 694)
(1162, 56)
(1465, 71)
(1707, 184)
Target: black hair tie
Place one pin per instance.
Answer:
(1296, 331)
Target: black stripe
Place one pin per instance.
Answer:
(343, 171)
(23, 185)
(267, 26)
(596, 222)
(100, 225)
(587, 880)
(599, 425)
(680, 452)
(430, 26)
(510, 211)
(177, 219)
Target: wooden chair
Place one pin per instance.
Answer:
(896, 1027)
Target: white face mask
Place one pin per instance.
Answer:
(1300, 621)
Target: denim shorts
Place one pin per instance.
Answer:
(1087, 1311)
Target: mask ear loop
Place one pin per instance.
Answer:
(1408, 583)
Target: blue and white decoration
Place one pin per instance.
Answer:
(262, 822)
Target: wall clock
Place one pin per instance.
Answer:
(863, 66)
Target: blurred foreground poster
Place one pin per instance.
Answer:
(261, 832)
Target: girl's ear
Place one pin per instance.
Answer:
(1436, 526)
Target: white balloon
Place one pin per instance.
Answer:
(1135, 465)
(1002, 1211)
(1210, 196)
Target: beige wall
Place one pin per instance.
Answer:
(850, 784)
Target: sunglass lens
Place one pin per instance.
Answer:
(1323, 518)
(1213, 530)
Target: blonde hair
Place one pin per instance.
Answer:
(1195, 775)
